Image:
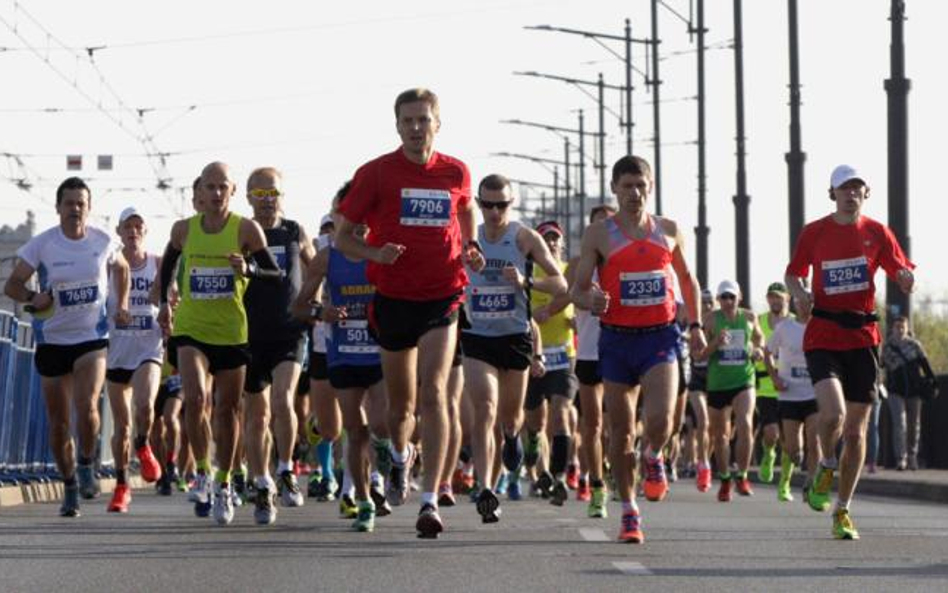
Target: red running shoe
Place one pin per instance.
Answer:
(121, 496)
(572, 477)
(743, 486)
(630, 529)
(656, 485)
(724, 492)
(151, 469)
(584, 492)
(703, 480)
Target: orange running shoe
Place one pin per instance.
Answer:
(572, 477)
(584, 492)
(743, 486)
(703, 480)
(151, 469)
(630, 529)
(724, 492)
(656, 485)
(121, 496)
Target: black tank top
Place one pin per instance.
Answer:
(268, 301)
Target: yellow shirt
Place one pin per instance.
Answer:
(557, 331)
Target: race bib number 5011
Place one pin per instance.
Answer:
(425, 207)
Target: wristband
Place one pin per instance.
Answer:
(695, 325)
(539, 358)
(31, 294)
(316, 312)
(475, 245)
(529, 283)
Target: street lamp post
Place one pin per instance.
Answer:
(897, 88)
(796, 157)
(741, 199)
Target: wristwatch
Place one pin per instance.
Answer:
(316, 312)
(539, 358)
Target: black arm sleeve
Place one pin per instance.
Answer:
(168, 262)
(264, 266)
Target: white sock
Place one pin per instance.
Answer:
(347, 486)
(264, 481)
(284, 466)
(399, 457)
(429, 498)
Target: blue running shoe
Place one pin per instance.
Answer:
(501, 486)
(513, 487)
(88, 482)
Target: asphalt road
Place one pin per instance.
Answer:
(693, 543)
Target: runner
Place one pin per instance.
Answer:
(734, 344)
(636, 254)
(73, 262)
(417, 203)
(768, 413)
(786, 365)
(698, 398)
(209, 326)
(498, 347)
(134, 361)
(558, 385)
(590, 389)
(844, 249)
(167, 438)
(277, 348)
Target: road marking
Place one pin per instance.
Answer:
(594, 535)
(632, 568)
(566, 520)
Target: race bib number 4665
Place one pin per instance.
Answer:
(425, 207)
(492, 302)
(842, 276)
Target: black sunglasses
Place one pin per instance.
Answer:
(489, 205)
(727, 296)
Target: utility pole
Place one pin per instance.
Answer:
(702, 230)
(629, 125)
(567, 210)
(897, 88)
(741, 199)
(602, 141)
(656, 83)
(796, 157)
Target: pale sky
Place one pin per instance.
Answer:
(308, 87)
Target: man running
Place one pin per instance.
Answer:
(134, 361)
(844, 249)
(636, 254)
(768, 413)
(277, 347)
(698, 398)
(734, 344)
(73, 262)
(498, 347)
(418, 204)
(209, 326)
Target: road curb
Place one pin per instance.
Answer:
(34, 492)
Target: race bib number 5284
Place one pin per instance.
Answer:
(842, 276)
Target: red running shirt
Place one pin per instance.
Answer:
(416, 206)
(844, 259)
(637, 276)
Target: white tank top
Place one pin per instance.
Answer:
(587, 331)
(75, 273)
(140, 341)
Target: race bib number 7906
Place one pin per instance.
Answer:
(425, 207)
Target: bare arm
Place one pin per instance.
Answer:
(16, 289)
(583, 293)
(346, 242)
(802, 296)
(315, 273)
(120, 281)
(307, 251)
(535, 247)
(690, 289)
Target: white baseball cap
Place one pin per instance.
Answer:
(327, 219)
(128, 213)
(842, 174)
(729, 287)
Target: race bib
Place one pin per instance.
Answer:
(733, 353)
(352, 337)
(139, 325)
(426, 207)
(212, 283)
(279, 254)
(74, 296)
(799, 374)
(492, 302)
(841, 276)
(556, 358)
(641, 289)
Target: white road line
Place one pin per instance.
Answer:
(632, 568)
(593, 535)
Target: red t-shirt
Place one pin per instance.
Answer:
(844, 258)
(416, 206)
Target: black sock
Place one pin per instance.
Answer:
(596, 483)
(465, 455)
(121, 476)
(559, 454)
(83, 460)
(70, 482)
(140, 441)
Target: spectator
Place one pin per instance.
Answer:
(905, 361)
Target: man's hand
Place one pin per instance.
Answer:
(906, 280)
(472, 257)
(333, 314)
(697, 341)
(537, 368)
(166, 319)
(41, 301)
(123, 317)
(779, 383)
(512, 275)
(389, 253)
(542, 314)
(598, 300)
(238, 263)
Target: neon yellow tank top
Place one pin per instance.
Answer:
(557, 331)
(212, 294)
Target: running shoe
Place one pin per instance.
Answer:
(513, 488)
(724, 492)
(383, 456)
(365, 517)
(743, 486)
(312, 485)
(501, 487)
(223, 504)
(377, 494)
(671, 471)
(70, 506)
(512, 453)
(150, 468)
(326, 489)
(630, 529)
(819, 494)
(200, 495)
(163, 486)
(312, 434)
(488, 506)
(429, 523)
(843, 526)
(239, 483)
(783, 491)
(474, 493)
(88, 482)
(289, 489)
(398, 487)
(583, 492)
(446, 495)
(237, 500)
(703, 479)
(597, 504)
(182, 484)
(559, 494)
(765, 473)
(347, 507)
(572, 477)
(544, 484)
(121, 497)
(531, 453)
(265, 511)
(656, 485)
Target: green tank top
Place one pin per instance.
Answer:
(765, 385)
(212, 294)
(730, 366)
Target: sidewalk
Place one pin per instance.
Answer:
(929, 485)
(53, 491)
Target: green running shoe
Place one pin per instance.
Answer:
(819, 494)
(348, 508)
(365, 519)
(765, 473)
(783, 491)
(843, 526)
(597, 504)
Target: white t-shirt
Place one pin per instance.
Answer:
(587, 331)
(786, 343)
(75, 273)
(140, 341)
